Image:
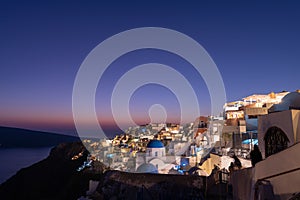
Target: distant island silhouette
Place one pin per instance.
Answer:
(17, 137)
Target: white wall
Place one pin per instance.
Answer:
(296, 123)
(286, 160)
(282, 120)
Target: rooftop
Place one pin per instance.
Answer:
(155, 144)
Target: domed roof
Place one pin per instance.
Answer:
(291, 100)
(155, 144)
(146, 168)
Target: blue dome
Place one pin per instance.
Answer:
(155, 144)
(147, 168)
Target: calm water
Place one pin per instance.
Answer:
(12, 160)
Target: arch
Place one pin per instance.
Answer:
(275, 141)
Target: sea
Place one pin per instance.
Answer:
(14, 159)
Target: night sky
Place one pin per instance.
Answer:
(255, 46)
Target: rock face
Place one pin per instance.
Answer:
(51, 178)
(122, 185)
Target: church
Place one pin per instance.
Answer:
(155, 156)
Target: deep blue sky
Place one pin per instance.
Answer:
(255, 45)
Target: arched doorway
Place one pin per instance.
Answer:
(275, 141)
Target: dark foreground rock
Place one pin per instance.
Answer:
(122, 185)
(135, 186)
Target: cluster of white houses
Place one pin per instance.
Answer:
(272, 121)
(241, 117)
(278, 134)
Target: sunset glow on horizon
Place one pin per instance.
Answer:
(255, 47)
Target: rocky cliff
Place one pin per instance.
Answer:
(52, 178)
